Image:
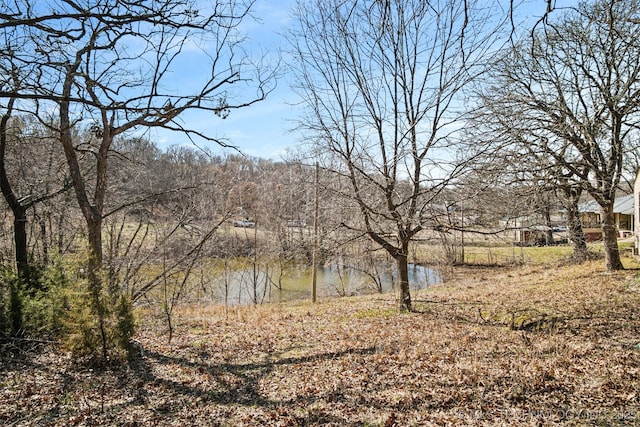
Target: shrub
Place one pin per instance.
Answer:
(45, 305)
(61, 307)
(10, 303)
(98, 330)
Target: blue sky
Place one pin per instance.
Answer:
(265, 129)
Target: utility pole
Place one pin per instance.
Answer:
(462, 231)
(314, 261)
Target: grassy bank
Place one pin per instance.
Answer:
(539, 344)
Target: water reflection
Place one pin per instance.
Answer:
(256, 285)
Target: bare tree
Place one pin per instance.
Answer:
(383, 84)
(570, 92)
(107, 66)
(25, 182)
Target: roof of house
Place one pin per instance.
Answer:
(622, 205)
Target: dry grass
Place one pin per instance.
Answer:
(532, 345)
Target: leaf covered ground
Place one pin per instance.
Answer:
(532, 345)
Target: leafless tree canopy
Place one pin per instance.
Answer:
(570, 94)
(383, 85)
(125, 59)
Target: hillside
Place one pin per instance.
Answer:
(532, 345)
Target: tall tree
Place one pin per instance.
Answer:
(571, 92)
(383, 82)
(26, 182)
(112, 67)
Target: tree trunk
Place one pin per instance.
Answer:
(18, 210)
(92, 212)
(574, 225)
(610, 238)
(94, 229)
(549, 230)
(94, 225)
(576, 234)
(45, 240)
(403, 281)
(20, 239)
(19, 232)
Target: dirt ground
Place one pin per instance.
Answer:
(532, 345)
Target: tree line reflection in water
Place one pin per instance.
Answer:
(271, 283)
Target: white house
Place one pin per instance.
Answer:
(624, 211)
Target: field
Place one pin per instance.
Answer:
(539, 344)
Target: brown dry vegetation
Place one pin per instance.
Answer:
(531, 345)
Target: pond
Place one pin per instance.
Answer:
(262, 285)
